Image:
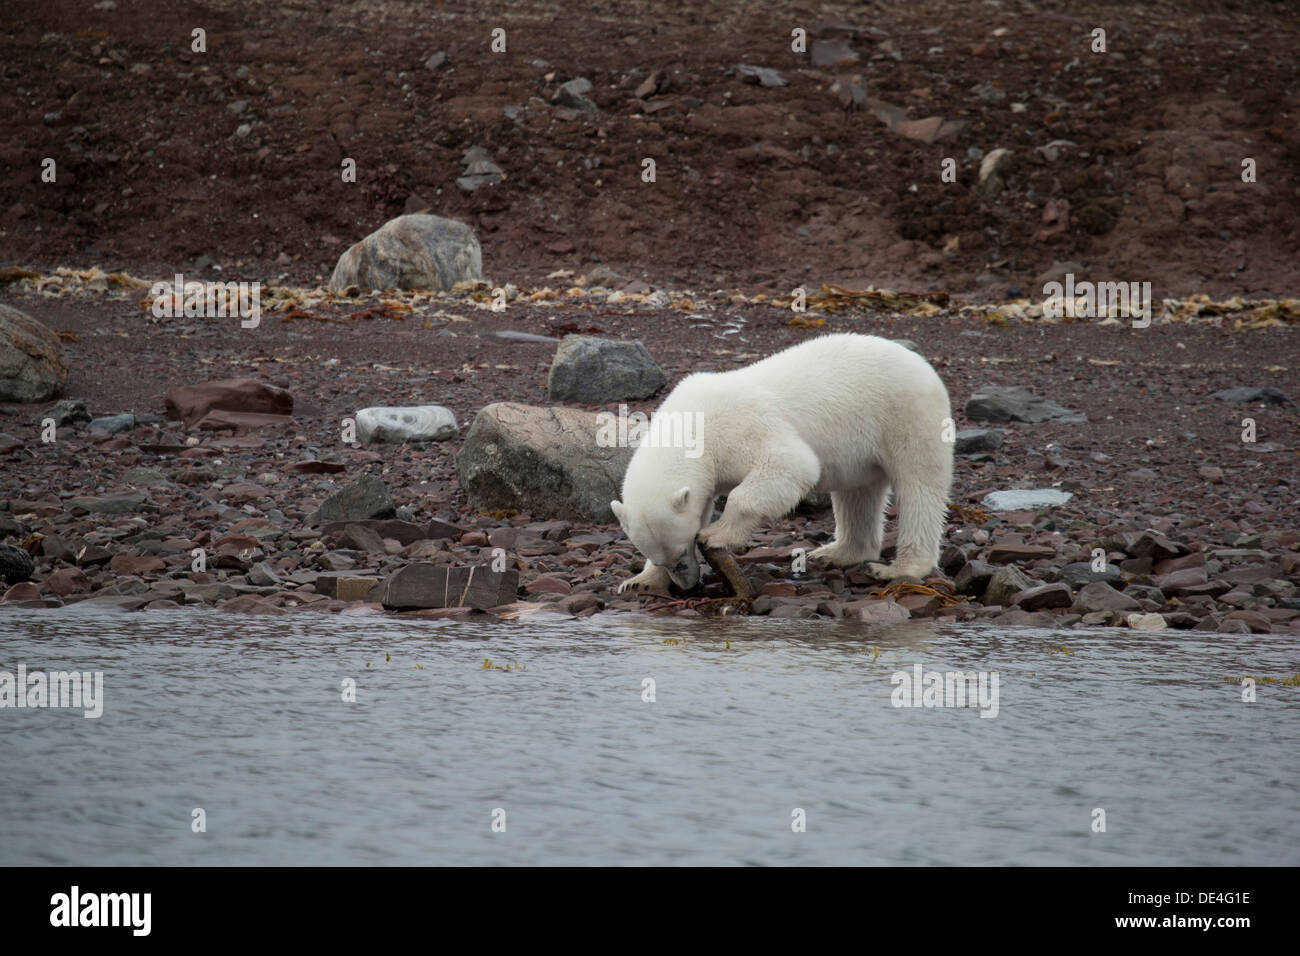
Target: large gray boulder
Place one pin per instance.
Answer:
(411, 252)
(545, 461)
(1015, 403)
(593, 370)
(33, 367)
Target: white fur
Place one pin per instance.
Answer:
(853, 415)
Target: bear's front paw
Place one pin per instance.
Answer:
(653, 578)
(721, 535)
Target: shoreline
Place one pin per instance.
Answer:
(1155, 454)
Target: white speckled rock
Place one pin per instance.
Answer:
(1024, 499)
(417, 423)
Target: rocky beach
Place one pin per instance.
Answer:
(1124, 443)
(431, 449)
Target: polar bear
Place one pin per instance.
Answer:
(854, 415)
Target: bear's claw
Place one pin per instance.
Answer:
(653, 578)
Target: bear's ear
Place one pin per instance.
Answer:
(619, 511)
(681, 498)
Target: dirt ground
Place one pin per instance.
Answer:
(1126, 164)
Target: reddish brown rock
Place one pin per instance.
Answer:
(1194, 560)
(1006, 553)
(1176, 582)
(580, 603)
(1257, 623)
(549, 582)
(67, 581)
(131, 564)
(220, 419)
(24, 591)
(191, 403)
(249, 604)
(407, 532)
(920, 605)
(313, 467)
(239, 492)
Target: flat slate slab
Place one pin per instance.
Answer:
(428, 586)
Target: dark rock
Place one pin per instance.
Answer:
(761, 75)
(952, 560)
(16, 565)
(367, 497)
(970, 441)
(592, 370)
(1100, 596)
(573, 95)
(1080, 573)
(1266, 395)
(1156, 547)
(1015, 403)
(973, 577)
(112, 424)
(131, 502)
(263, 575)
(358, 537)
(67, 411)
(1005, 583)
(437, 528)
(1006, 553)
(1043, 596)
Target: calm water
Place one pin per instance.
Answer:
(244, 717)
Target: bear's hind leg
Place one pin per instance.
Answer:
(922, 510)
(859, 524)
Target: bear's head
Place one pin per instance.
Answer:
(664, 530)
